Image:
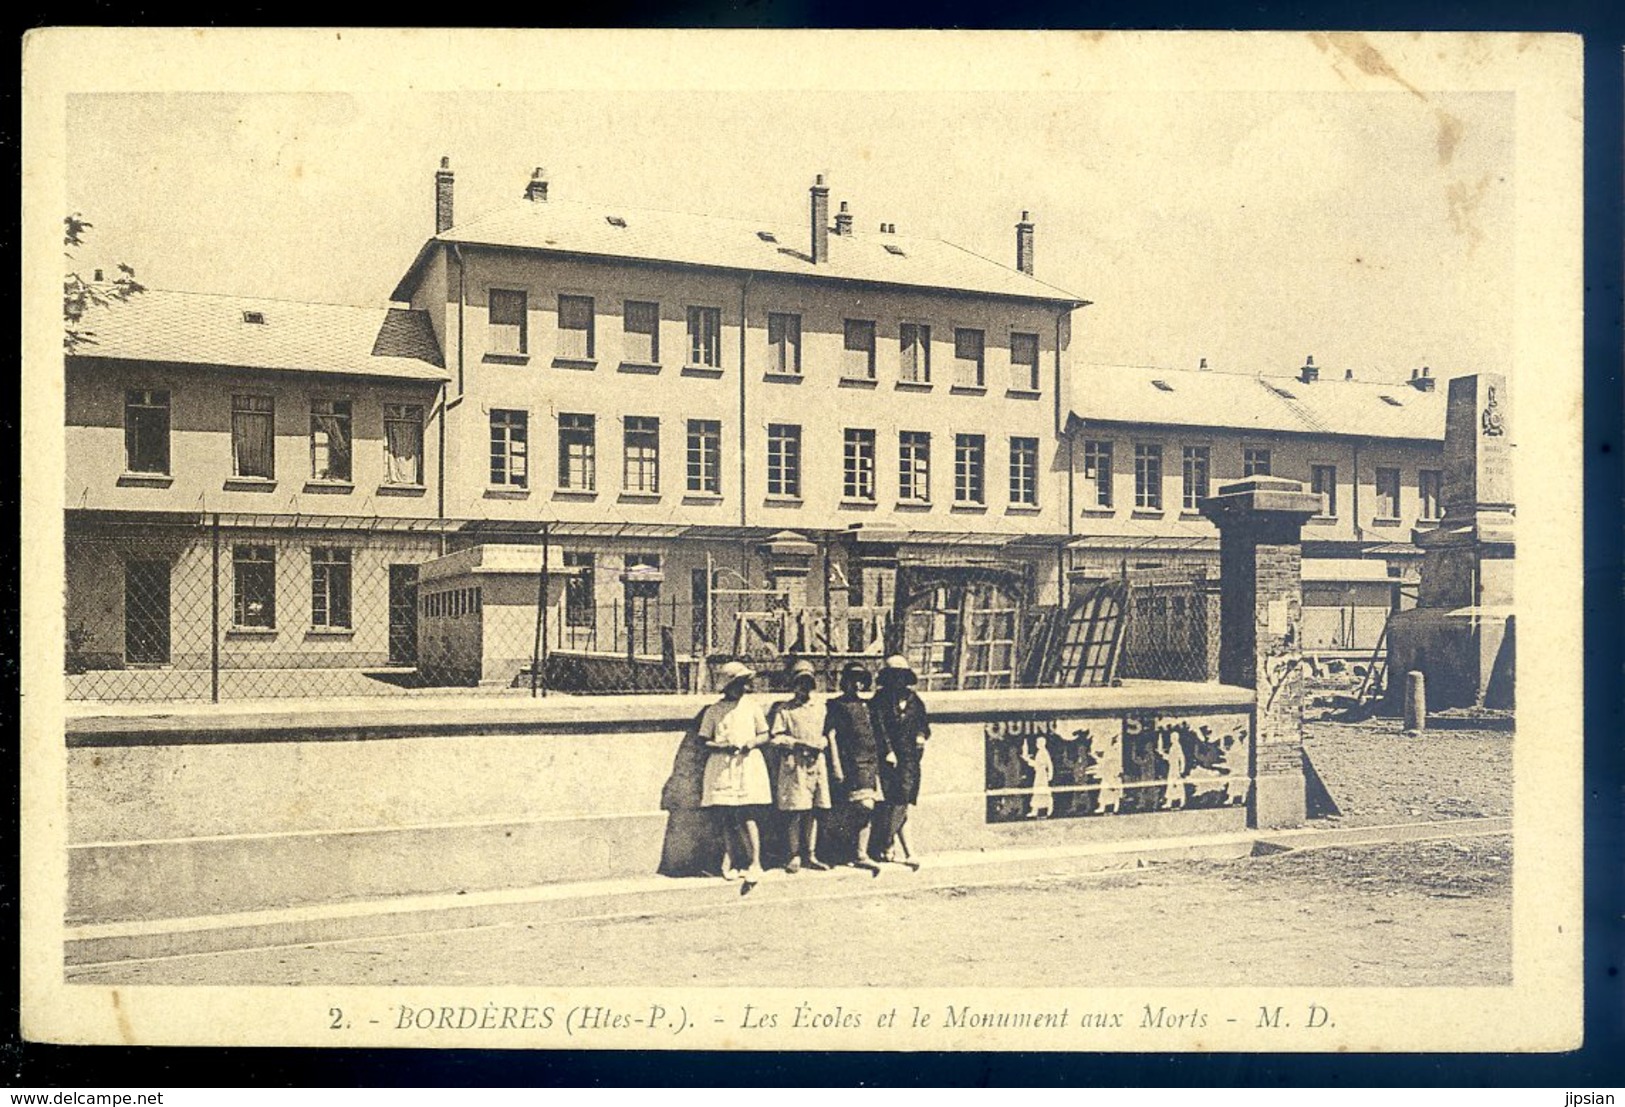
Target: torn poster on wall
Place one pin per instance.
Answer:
(1049, 767)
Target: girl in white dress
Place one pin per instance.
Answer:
(735, 777)
(803, 784)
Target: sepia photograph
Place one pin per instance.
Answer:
(872, 541)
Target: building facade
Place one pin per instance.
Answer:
(673, 395)
(1148, 445)
(249, 482)
(724, 437)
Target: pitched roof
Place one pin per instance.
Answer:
(570, 227)
(195, 328)
(1232, 401)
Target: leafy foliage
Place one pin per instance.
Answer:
(80, 295)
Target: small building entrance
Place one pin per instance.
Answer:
(146, 612)
(403, 614)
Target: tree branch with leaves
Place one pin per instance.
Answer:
(80, 295)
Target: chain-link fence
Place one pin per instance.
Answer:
(159, 612)
(244, 610)
(1172, 630)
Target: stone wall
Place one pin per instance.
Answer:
(241, 810)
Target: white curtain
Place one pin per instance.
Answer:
(403, 452)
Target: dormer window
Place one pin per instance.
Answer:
(254, 317)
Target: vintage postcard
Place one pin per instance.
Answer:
(802, 540)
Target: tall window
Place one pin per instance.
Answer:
(579, 589)
(1387, 493)
(914, 341)
(783, 343)
(914, 466)
(403, 443)
(330, 439)
(1024, 472)
(1097, 472)
(641, 344)
(705, 455)
(1196, 475)
(1323, 482)
(253, 437)
(640, 471)
(970, 469)
(1024, 361)
(858, 360)
(329, 587)
(1148, 476)
(506, 311)
(510, 449)
(705, 337)
(575, 328)
(578, 452)
(783, 459)
(146, 430)
(1255, 463)
(253, 570)
(1430, 488)
(970, 363)
(858, 467)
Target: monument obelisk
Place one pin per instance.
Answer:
(1460, 634)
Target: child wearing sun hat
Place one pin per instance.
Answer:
(802, 787)
(735, 778)
(855, 755)
(900, 721)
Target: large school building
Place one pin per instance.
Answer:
(718, 436)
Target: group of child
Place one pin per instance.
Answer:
(860, 752)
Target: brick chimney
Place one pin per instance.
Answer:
(1309, 374)
(1024, 244)
(1201, 366)
(1422, 379)
(442, 196)
(843, 220)
(820, 221)
(536, 187)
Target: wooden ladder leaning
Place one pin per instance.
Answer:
(1376, 669)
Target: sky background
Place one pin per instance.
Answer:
(1373, 230)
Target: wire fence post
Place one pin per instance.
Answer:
(539, 645)
(214, 609)
(829, 621)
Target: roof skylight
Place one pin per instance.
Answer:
(614, 221)
(254, 317)
(1164, 385)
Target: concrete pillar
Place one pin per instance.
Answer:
(872, 570)
(788, 557)
(1260, 523)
